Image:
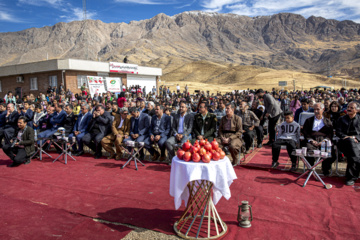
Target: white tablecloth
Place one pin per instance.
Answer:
(221, 173)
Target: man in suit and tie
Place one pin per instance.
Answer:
(159, 132)
(80, 129)
(181, 129)
(119, 131)
(10, 126)
(316, 129)
(56, 121)
(140, 126)
(99, 127)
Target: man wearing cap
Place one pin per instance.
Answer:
(273, 112)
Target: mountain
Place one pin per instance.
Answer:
(283, 41)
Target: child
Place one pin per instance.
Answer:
(288, 135)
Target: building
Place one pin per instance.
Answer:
(36, 77)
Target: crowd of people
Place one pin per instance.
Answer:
(162, 119)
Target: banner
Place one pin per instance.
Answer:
(96, 85)
(113, 84)
(123, 68)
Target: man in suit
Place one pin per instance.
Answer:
(304, 108)
(119, 131)
(139, 127)
(68, 123)
(159, 132)
(10, 126)
(181, 129)
(22, 145)
(99, 127)
(79, 129)
(316, 129)
(204, 125)
(28, 113)
(230, 132)
(273, 112)
(56, 121)
(348, 130)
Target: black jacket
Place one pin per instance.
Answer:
(69, 123)
(343, 124)
(12, 120)
(27, 140)
(209, 125)
(104, 122)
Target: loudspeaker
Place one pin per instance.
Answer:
(18, 91)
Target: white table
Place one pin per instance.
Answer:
(195, 183)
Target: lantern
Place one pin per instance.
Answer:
(245, 215)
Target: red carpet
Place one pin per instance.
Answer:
(262, 158)
(99, 188)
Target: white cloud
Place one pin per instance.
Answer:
(332, 9)
(6, 17)
(76, 14)
(146, 2)
(41, 2)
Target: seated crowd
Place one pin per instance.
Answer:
(236, 120)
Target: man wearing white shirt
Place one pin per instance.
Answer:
(317, 129)
(119, 131)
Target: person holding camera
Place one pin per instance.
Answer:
(22, 146)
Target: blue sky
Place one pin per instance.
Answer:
(16, 15)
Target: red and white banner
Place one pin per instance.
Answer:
(96, 85)
(123, 68)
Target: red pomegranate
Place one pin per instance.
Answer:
(180, 154)
(202, 151)
(214, 144)
(187, 156)
(196, 143)
(194, 149)
(202, 142)
(210, 154)
(196, 157)
(186, 146)
(206, 158)
(216, 156)
(208, 147)
(219, 150)
(222, 155)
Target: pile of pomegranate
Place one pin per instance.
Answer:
(201, 150)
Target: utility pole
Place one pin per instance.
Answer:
(294, 85)
(87, 39)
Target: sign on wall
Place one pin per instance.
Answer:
(282, 83)
(113, 84)
(123, 68)
(96, 85)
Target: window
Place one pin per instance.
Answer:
(53, 81)
(81, 79)
(33, 83)
(0, 86)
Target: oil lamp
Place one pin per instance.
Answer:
(245, 215)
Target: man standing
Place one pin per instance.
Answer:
(22, 146)
(99, 127)
(159, 132)
(273, 112)
(249, 121)
(204, 124)
(11, 119)
(80, 129)
(230, 132)
(181, 129)
(348, 130)
(120, 130)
